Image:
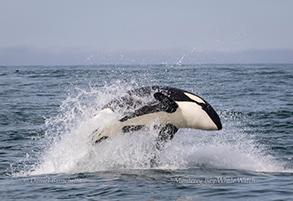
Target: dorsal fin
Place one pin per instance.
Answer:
(168, 105)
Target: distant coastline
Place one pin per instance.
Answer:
(13, 56)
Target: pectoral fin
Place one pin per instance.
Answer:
(167, 104)
(166, 134)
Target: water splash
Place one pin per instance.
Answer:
(70, 150)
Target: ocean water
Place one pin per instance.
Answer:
(46, 119)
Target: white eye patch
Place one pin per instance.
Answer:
(195, 98)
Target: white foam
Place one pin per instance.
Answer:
(71, 151)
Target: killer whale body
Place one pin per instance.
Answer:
(170, 108)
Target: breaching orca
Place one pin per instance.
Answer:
(165, 108)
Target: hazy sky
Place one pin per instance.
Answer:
(87, 28)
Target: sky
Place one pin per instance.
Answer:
(68, 32)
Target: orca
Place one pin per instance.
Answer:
(162, 107)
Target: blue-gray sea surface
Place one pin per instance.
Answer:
(46, 154)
